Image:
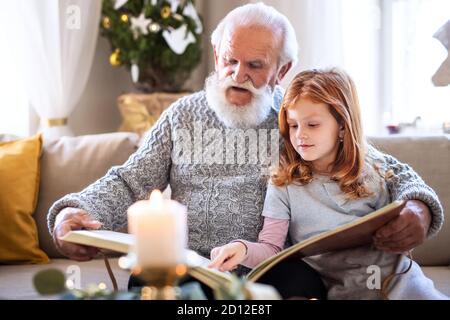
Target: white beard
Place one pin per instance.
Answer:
(250, 115)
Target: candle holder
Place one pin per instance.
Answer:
(160, 281)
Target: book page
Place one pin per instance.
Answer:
(104, 239)
(195, 260)
(356, 233)
(121, 242)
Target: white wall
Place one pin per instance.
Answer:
(97, 110)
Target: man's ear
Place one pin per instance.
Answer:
(284, 69)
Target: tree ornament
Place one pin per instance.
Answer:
(179, 39)
(165, 12)
(114, 58)
(189, 11)
(106, 23)
(178, 17)
(119, 3)
(124, 18)
(442, 76)
(174, 5)
(134, 73)
(140, 24)
(154, 27)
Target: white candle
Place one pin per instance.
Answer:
(159, 226)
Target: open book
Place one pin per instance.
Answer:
(356, 233)
(120, 242)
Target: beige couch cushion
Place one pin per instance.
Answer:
(440, 277)
(69, 164)
(430, 158)
(8, 137)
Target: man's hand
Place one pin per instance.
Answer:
(405, 232)
(74, 219)
(227, 257)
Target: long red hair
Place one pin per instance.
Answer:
(337, 90)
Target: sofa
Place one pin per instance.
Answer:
(69, 164)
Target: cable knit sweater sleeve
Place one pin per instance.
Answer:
(406, 184)
(108, 198)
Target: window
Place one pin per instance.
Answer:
(361, 57)
(390, 51)
(413, 56)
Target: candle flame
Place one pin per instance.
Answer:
(156, 199)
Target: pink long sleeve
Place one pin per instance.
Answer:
(271, 240)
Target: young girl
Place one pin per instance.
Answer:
(328, 176)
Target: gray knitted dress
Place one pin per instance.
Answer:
(223, 187)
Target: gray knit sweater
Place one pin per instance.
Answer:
(223, 188)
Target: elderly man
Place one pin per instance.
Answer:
(192, 147)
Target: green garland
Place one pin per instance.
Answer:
(53, 282)
(150, 55)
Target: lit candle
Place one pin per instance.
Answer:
(159, 226)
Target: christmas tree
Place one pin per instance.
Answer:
(159, 41)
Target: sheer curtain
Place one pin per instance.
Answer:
(415, 55)
(14, 109)
(58, 42)
(362, 58)
(318, 26)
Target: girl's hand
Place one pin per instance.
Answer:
(227, 257)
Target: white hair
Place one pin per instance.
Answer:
(251, 115)
(259, 14)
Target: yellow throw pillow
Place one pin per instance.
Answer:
(19, 188)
